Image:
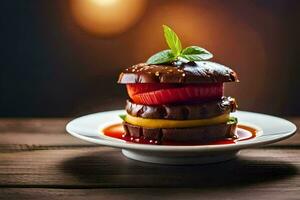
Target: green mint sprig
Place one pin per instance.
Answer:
(175, 53)
(232, 120)
(122, 117)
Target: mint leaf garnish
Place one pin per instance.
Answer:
(175, 53)
(232, 120)
(193, 57)
(164, 56)
(194, 53)
(122, 117)
(172, 40)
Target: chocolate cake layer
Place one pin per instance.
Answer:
(191, 72)
(183, 111)
(199, 134)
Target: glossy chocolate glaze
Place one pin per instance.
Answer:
(191, 72)
(201, 134)
(183, 111)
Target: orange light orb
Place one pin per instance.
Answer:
(107, 17)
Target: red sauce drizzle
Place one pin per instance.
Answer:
(117, 131)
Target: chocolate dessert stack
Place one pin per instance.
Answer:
(178, 96)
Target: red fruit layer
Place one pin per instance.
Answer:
(156, 94)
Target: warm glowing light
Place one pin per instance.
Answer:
(105, 2)
(107, 17)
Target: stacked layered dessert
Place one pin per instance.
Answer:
(180, 99)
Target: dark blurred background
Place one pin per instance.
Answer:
(62, 58)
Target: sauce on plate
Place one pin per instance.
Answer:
(243, 133)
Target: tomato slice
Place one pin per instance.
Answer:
(156, 94)
(137, 88)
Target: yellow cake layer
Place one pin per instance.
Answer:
(166, 123)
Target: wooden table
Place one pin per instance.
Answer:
(38, 160)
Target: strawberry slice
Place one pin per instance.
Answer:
(155, 94)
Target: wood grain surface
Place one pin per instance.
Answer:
(39, 160)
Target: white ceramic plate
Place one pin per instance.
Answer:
(270, 129)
